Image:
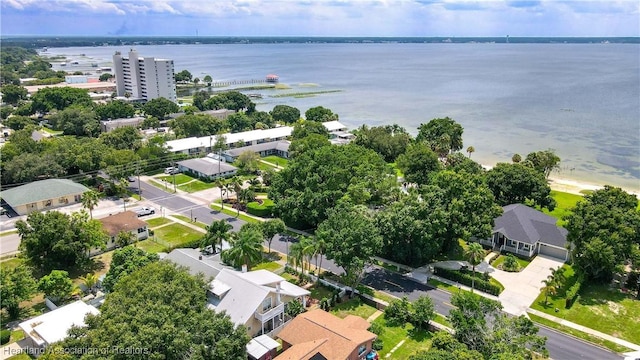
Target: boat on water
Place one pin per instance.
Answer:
(272, 78)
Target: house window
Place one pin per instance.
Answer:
(77, 198)
(266, 304)
(141, 230)
(47, 203)
(526, 246)
(361, 349)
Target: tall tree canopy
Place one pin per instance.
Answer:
(160, 107)
(124, 262)
(183, 76)
(351, 238)
(544, 161)
(304, 128)
(13, 94)
(115, 110)
(18, 285)
(444, 135)
(418, 163)
(231, 100)
(59, 98)
(54, 240)
(197, 125)
(126, 137)
(317, 179)
(389, 141)
(604, 229)
(160, 311)
(320, 114)
(285, 113)
(519, 184)
(76, 120)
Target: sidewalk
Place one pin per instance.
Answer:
(585, 329)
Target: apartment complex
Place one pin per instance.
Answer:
(144, 78)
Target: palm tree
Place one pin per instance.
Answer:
(245, 196)
(321, 247)
(246, 248)
(557, 276)
(308, 250)
(474, 255)
(217, 232)
(549, 289)
(470, 149)
(90, 200)
(207, 79)
(90, 281)
(296, 255)
(221, 186)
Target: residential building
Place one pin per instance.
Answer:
(255, 299)
(207, 168)
(54, 325)
(110, 125)
(318, 334)
(126, 221)
(278, 148)
(525, 231)
(262, 347)
(144, 78)
(198, 262)
(43, 195)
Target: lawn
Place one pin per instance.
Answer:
(196, 185)
(318, 291)
(5, 233)
(353, 306)
(276, 160)
(443, 286)
(21, 356)
(176, 235)
(564, 203)
(599, 307)
(415, 340)
(11, 263)
(187, 219)
(442, 320)
(150, 246)
(269, 266)
(521, 262)
(265, 166)
(155, 222)
(234, 213)
(16, 335)
(180, 179)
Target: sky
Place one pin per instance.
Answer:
(392, 18)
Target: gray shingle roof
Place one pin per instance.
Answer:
(210, 266)
(522, 223)
(207, 166)
(41, 190)
(282, 145)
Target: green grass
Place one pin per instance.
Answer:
(180, 179)
(158, 221)
(579, 334)
(266, 166)
(187, 219)
(51, 131)
(564, 203)
(603, 309)
(384, 296)
(443, 286)
(5, 233)
(318, 291)
(269, 266)
(150, 246)
(442, 320)
(234, 213)
(522, 263)
(12, 263)
(196, 185)
(177, 234)
(16, 335)
(415, 340)
(353, 307)
(276, 160)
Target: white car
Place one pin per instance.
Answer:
(145, 211)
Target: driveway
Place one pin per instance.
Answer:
(522, 288)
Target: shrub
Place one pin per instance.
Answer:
(510, 263)
(466, 278)
(263, 210)
(325, 304)
(398, 312)
(571, 296)
(5, 335)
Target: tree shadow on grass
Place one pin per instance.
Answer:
(419, 335)
(599, 294)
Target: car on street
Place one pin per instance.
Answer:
(145, 211)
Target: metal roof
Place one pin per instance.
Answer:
(41, 190)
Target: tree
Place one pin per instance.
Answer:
(294, 308)
(304, 128)
(248, 162)
(150, 122)
(271, 228)
(115, 110)
(18, 285)
(59, 98)
(199, 99)
(474, 255)
(308, 250)
(124, 262)
(183, 76)
(207, 79)
(165, 309)
(320, 114)
(57, 285)
(246, 248)
(285, 113)
(389, 141)
(197, 125)
(123, 138)
(470, 150)
(125, 238)
(90, 200)
(90, 281)
(352, 239)
(160, 107)
(423, 312)
(418, 163)
(244, 197)
(458, 163)
(239, 122)
(544, 161)
(519, 184)
(516, 158)
(18, 122)
(54, 240)
(76, 120)
(443, 134)
(399, 312)
(510, 263)
(604, 230)
(221, 185)
(196, 81)
(296, 255)
(105, 77)
(550, 288)
(13, 94)
(231, 100)
(217, 233)
(307, 143)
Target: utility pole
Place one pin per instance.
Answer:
(174, 176)
(139, 186)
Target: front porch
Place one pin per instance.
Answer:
(501, 243)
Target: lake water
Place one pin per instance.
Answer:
(583, 100)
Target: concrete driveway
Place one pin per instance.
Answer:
(522, 288)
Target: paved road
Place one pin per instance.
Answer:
(9, 244)
(560, 346)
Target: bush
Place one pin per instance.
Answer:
(572, 295)
(263, 210)
(466, 278)
(510, 264)
(5, 335)
(398, 312)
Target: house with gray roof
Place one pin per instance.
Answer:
(277, 148)
(207, 168)
(525, 231)
(197, 262)
(43, 195)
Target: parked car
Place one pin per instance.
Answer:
(171, 170)
(145, 211)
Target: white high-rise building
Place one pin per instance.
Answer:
(144, 78)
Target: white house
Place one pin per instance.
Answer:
(126, 221)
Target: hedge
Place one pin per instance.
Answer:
(572, 295)
(5, 336)
(263, 210)
(466, 278)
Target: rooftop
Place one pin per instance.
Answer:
(207, 166)
(196, 262)
(53, 326)
(523, 223)
(124, 221)
(40, 191)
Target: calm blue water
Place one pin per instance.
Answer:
(583, 100)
